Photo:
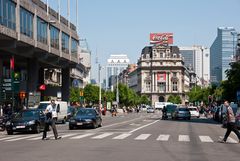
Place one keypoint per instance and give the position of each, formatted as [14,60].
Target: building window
[65,43]
[174,74]
[8,14]
[41,31]
[162,87]
[26,22]
[174,86]
[161,55]
[74,48]
[54,36]
[148,86]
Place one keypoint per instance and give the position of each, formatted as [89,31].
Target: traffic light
[81,93]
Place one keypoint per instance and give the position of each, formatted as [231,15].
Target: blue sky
[123,26]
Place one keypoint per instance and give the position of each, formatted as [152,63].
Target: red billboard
[161,38]
[161,77]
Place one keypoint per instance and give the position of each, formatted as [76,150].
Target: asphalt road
[129,137]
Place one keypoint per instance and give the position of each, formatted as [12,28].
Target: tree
[144,100]
[174,99]
[74,94]
[91,94]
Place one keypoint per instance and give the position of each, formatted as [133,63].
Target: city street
[126,137]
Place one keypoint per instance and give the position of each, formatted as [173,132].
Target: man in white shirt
[51,117]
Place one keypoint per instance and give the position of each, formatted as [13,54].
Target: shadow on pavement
[197,120]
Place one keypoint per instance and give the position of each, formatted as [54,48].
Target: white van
[62,108]
[160,105]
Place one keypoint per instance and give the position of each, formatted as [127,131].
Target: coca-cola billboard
[161,38]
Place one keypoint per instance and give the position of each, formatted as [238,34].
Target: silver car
[150,110]
[182,112]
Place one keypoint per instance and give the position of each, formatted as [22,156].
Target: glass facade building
[54,37]
[222,53]
[41,31]
[74,48]
[65,43]
[8,14]
[26,22]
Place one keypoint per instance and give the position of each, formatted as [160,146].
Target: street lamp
[100,92]
[117,91]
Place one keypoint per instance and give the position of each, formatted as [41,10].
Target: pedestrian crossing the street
[119,136]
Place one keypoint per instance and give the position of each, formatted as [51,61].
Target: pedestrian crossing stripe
[122,136]
[229,140]
[142,137]
[163,137]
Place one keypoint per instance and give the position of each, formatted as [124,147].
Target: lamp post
[117,91]
[100,93]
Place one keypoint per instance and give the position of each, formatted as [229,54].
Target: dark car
[182,112]
[31,120]
[71,111]
[85,117]
[170,108]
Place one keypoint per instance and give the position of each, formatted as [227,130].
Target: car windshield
[26,114]
[85,112]
[171,107]
[183,109]
[43,106]
[71,109]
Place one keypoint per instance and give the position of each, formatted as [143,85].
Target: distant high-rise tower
[115,64]
[197,58]
[222,53]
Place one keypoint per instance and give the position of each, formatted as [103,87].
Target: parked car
[62,108]
[182,112]
[150,110]
[194,111]
[31,120]
[170,108]
[85,117]
[238,120]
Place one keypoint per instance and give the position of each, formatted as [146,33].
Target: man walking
[51,117]
[230,123]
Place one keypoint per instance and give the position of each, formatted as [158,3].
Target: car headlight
[8,123]
[88,120]
[31,122]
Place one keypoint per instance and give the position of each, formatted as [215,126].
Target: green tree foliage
[74,94]
[144,100]
[91,94]
[174,99]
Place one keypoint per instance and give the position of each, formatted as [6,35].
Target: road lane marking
[229,140]
[122,136]
[143,126]
[205,139]
[102,136]
[163,137]
[142,137]
[183,138]
[11,137]
[82,136]
[40,137]
[68,135]
[21,138]
[106,126]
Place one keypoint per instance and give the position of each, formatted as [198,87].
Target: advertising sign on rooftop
[161,38]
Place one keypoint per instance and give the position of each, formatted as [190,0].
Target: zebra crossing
[119,136]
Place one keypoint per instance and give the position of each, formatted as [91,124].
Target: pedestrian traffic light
[22,95]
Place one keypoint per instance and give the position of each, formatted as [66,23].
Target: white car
[194,111]
[150,110]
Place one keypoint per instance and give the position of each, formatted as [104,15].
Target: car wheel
[94,125]
[64,120]
[38,130]
[71,127]
[10,132]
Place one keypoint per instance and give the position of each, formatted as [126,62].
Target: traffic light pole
[12,80]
